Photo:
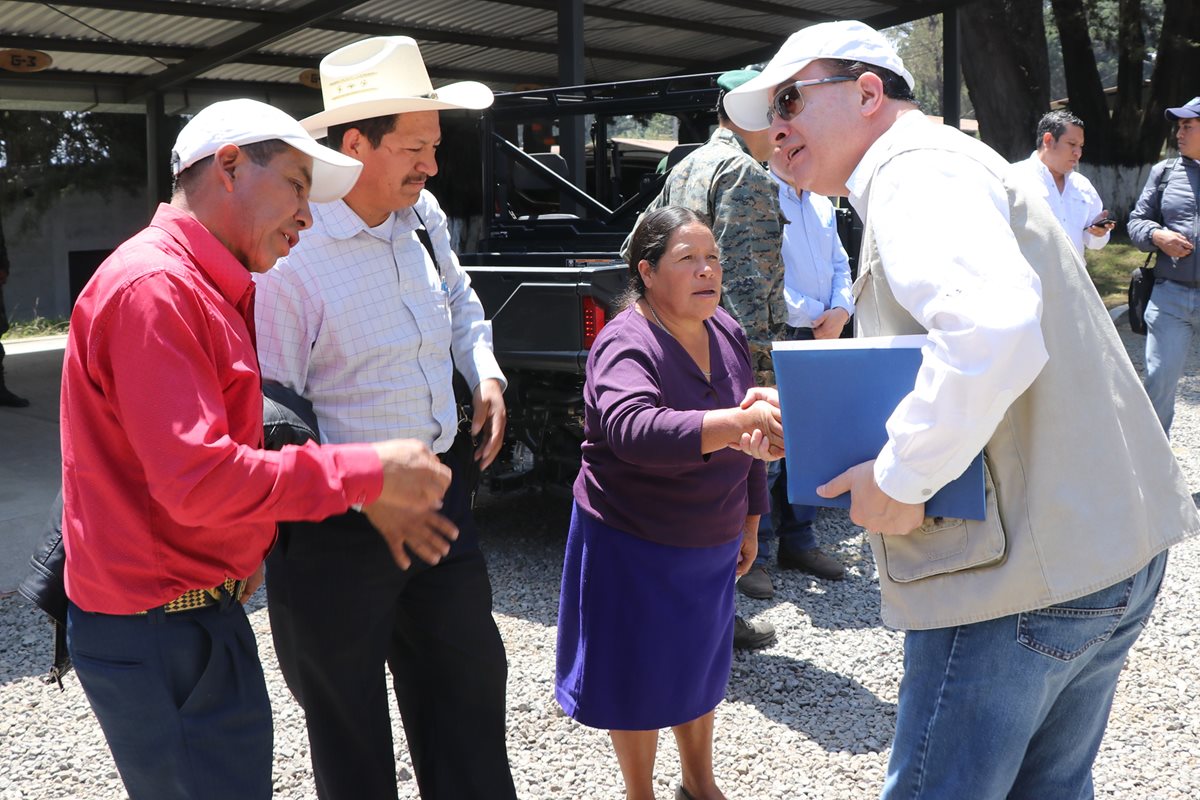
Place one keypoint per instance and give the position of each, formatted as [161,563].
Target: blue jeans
[1171,318]
[181,700]
[789,523]
[1015,707]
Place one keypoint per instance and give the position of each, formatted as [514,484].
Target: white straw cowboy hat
[384,75]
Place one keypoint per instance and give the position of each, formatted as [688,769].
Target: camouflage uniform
[722,181]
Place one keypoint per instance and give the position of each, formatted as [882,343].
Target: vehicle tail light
[593,320]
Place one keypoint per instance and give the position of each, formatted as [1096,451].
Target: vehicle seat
[679,152]
[534,196]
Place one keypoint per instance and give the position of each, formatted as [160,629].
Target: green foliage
[1104,28]
[645,126]
[38,326]
[919,43]
[44,155]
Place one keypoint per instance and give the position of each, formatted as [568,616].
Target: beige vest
[1082,486]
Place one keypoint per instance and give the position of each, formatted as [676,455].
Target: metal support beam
[364,27]
[951,69]
[158,154]
[716,27]
[776,9]
[260,36]
[570,73]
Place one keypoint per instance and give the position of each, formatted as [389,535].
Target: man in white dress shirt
[369,321]
[1052,170]
[1017,625]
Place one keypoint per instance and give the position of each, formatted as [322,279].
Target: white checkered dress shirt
[357,320]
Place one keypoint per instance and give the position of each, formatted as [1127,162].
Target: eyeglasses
[789,101]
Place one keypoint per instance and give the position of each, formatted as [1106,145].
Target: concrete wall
[39,284]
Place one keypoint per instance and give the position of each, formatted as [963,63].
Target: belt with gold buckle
[202,598]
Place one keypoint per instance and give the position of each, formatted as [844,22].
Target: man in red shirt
[170,502]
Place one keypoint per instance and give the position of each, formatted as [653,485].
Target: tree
[44,156]
[1099,41]
[1007,76]
[919,43]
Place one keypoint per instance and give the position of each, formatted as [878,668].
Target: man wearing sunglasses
[725,181]
[1017,625]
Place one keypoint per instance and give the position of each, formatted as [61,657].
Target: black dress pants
[340,609]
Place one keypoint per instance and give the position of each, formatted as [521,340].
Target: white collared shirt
[1075,207]
[941,226]
[358,321]
[816,269]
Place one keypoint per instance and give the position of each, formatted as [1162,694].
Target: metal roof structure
[180,55]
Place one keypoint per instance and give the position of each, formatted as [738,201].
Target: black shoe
[757,584]
[9,399]
[813,561]
[682,793]
[751,635]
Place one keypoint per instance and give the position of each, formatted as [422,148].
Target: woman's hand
[749,549]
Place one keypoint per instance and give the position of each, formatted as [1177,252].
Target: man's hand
[830,324]
[869,506]
[768,393]
[425,534]
[1174,244]
[252,584]
[413,478]
[488,418]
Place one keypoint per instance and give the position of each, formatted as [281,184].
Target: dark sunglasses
[789,101]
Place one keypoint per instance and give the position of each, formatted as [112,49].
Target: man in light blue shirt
[817,287]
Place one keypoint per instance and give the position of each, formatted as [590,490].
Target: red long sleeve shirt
[165,486]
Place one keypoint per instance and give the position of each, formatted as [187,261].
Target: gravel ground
[810,717]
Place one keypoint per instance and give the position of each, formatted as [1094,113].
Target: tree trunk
[1007,76]
[1083,79]
[1127,115]
[1175,69]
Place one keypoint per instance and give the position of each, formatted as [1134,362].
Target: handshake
[761,434]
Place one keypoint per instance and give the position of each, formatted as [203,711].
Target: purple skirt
[645,630]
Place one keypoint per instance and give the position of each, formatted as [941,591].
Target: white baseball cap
[248,121]
[849,40]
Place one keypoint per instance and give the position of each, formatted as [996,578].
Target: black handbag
[1141,285]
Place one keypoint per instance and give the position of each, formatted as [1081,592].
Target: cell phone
[1104,220]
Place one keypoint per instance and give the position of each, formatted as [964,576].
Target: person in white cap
[1167,219]
[1016,625]
[370,318]
[170,502]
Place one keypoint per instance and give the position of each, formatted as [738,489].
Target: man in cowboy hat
[170,500]
[369,319]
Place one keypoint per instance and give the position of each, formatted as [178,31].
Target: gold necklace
[658,319]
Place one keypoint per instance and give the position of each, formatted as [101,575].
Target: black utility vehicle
[542,253]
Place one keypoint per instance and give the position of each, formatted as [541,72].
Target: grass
[38,326]
[1110,268]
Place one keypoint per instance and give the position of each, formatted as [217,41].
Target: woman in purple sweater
[666,509]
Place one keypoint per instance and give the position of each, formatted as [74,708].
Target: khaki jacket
[1082,487]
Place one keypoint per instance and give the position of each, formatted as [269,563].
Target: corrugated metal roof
[128,45]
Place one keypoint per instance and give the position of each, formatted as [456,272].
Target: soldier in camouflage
[724,179]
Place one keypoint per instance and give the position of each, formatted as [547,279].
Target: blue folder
[836,396]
